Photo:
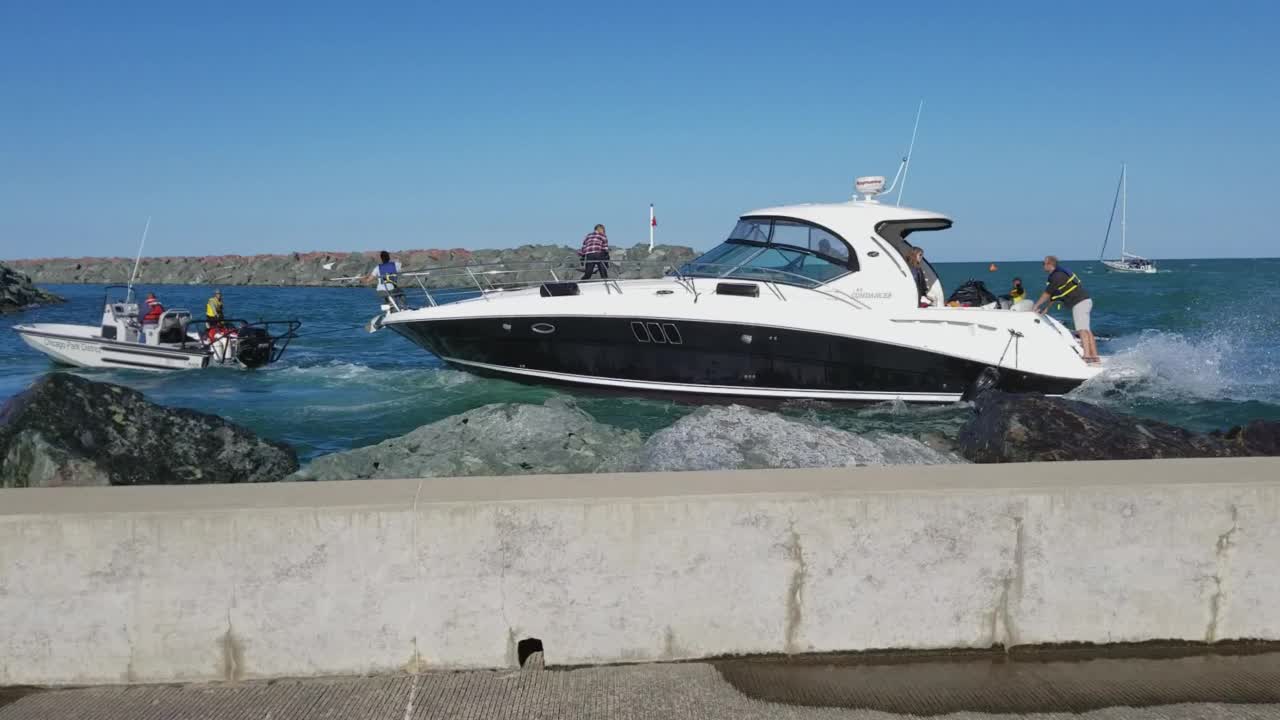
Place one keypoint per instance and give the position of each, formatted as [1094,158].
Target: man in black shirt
[1065,287]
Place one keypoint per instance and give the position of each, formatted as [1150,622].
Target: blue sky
[244,128]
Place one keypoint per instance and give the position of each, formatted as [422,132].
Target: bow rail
[454,283]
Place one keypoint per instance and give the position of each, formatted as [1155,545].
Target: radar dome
[869,186]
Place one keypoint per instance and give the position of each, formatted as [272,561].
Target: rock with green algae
[66,430]
[498,439]
[17,292]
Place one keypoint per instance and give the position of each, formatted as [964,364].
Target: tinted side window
[789,233]
[811,238]
[753,230]
[824,243]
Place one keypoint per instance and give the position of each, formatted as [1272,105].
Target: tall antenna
[906,162]
[901,174]
[138,260]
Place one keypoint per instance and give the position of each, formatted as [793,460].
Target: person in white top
[386,274]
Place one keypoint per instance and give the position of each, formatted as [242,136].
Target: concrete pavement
[1177,689]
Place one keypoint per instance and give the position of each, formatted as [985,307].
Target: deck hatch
[738,289]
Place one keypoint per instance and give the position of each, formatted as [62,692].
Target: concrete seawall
[105,585]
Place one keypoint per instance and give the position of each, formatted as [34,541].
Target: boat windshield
[780,251]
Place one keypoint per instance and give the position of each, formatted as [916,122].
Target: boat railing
[443,285]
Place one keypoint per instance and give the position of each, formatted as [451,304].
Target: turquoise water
[1197,345]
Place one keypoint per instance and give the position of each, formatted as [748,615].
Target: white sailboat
[1127,262]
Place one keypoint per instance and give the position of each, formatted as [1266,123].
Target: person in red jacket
[154,310]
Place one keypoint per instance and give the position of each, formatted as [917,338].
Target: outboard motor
[251,345]
[254,346]
[987,379]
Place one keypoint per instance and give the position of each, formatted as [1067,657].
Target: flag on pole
[653,223]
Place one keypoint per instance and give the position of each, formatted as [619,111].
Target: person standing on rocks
[595,254]
[1065,288]
[386,274]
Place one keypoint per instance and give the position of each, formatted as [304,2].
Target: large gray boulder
[1034,428]
[739,437]
[558,437]
[66,430]
[17,292]
[499,439]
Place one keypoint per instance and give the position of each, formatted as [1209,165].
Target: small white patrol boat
[174,342]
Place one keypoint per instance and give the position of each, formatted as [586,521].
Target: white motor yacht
[174,342]
[800,301]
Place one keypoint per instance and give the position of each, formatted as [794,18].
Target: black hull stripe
[663,319]
[724,391]
[151,366]
[393,323]
[722,358]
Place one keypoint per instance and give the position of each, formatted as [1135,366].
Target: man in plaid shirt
[595,253]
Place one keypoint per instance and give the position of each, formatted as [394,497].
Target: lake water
[1197,345]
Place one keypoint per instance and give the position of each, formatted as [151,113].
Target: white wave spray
[1236,362]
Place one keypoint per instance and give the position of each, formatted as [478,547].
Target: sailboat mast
[1111,219]
[1124,209]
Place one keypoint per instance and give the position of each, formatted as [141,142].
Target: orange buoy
[993,268]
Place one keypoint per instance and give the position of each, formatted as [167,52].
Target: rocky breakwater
[17,292]
[559,437]
[65,430]
[1034,428]
[318,268]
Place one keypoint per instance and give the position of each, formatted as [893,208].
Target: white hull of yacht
[798,344]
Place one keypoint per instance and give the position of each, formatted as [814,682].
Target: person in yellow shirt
[213,310]
[1017,292]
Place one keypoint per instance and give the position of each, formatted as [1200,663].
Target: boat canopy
[814,244]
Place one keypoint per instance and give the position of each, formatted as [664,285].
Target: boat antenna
[137,261]
[1111,220]
[906,161]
